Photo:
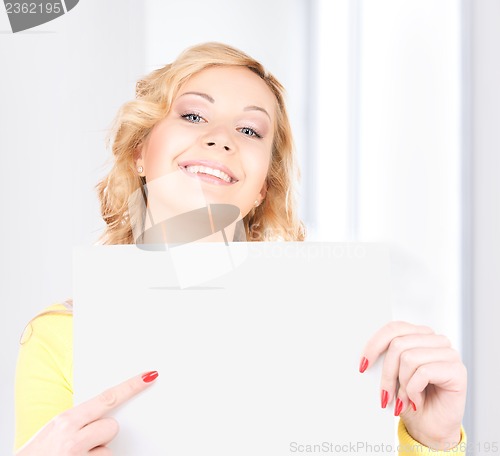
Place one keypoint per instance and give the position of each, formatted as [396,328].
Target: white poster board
[259,360]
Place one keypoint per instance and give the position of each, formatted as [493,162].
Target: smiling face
[218,131]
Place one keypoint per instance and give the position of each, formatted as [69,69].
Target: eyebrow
[257,108]
[211,100]
[200,94]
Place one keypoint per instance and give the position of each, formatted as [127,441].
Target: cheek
[157,159]
[160,153]
[257,167]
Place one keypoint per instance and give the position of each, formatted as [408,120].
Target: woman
[214,120]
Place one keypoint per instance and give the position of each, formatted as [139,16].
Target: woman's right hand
[85,429]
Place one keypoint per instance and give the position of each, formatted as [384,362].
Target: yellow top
[44,374]
[44,380]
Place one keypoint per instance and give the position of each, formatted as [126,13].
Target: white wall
[410,151]
[484,156]
[388,136]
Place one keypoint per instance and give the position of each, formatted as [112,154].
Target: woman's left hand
[425,379]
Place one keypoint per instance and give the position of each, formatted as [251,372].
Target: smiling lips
[209,171]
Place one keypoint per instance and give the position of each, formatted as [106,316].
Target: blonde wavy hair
[275,219]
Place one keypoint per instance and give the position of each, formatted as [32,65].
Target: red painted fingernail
[363,365]
[149,377]
[399,407]
[384,398]
[414,407]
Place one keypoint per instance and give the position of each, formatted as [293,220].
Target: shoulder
[48,338]
[53,322]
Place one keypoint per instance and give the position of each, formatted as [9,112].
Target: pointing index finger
[381,340]
[97,407]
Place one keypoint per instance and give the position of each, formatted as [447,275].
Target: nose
[218,139]
[214,144]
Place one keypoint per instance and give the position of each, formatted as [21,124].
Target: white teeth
[206,170]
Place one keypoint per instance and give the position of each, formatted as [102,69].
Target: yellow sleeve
[44,372]
[408,446]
